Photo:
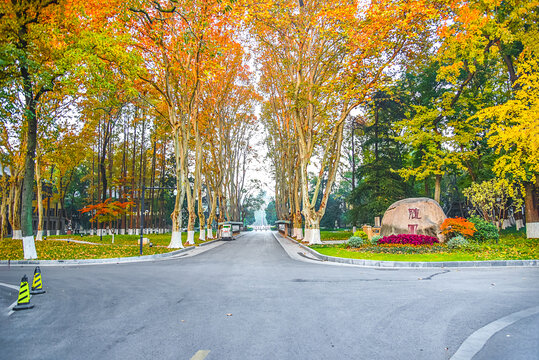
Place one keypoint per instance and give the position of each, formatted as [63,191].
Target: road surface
[247,299]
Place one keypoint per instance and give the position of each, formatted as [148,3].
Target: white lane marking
[14,287]
[200,355]
[475,342]
[10,307]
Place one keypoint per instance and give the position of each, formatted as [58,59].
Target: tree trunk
[191,192]
[142,177]
[39,235]
[29,246]
[161,220]
[298,232]
[176,216]
[213,209]
[124,178]
[152,185]
[4,191]
[133,162]
[312,231]
[531,203]
[438,188]
[15,207]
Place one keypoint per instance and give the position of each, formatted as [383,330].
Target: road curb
[412,264]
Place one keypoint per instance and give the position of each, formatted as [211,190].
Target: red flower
[411,239]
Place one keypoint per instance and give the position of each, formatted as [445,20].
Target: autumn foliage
[458,226]
[108,210]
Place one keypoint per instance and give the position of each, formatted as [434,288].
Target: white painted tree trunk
[298,233]
[315,237]
[49,233]
[532,230]
[39,235]
[17,234]
[113,238]
[191,237]
[29,247]
[122,231]
[210,233]
[91,232]
[176,240]
[202,234]
[57,232]
[307,235]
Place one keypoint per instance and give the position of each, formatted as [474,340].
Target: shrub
[361,234]
[374,239]
[457,242]
[457,226]
[356,241]
[412,239]
[484,230]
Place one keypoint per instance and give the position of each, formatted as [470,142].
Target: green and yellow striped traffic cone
[37,286]
[23,302]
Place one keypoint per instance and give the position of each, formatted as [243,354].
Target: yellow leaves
[490,197]
[515,135]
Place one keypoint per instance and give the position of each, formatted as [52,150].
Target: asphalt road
[247,299]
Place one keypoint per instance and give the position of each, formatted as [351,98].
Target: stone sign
[413,216]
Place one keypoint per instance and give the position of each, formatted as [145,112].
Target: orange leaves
[458,226]
[107,211]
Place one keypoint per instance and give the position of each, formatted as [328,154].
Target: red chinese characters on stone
[413,213]
[412,228]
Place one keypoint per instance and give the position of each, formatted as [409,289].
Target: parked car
[226,232]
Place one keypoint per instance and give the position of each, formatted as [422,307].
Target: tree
[181,43]
[480,33]
[107,211]
[379,184]
[515,137]
[41,47]
[329,57]
[271,214]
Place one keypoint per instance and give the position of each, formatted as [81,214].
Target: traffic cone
[37,287]
[23,302]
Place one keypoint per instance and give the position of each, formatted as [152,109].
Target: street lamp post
[142,209]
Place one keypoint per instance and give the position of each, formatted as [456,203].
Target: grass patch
[334,235]
[156,239]
[511,246]
[62,250]
[124,246]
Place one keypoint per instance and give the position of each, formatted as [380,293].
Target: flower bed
[410,239]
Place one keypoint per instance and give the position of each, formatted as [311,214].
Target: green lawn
[335,235]
[511,246]
[62,250]
[156,239]
[124,246]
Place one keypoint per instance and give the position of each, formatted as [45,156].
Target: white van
[226,232]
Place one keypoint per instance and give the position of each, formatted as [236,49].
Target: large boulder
[413,216]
